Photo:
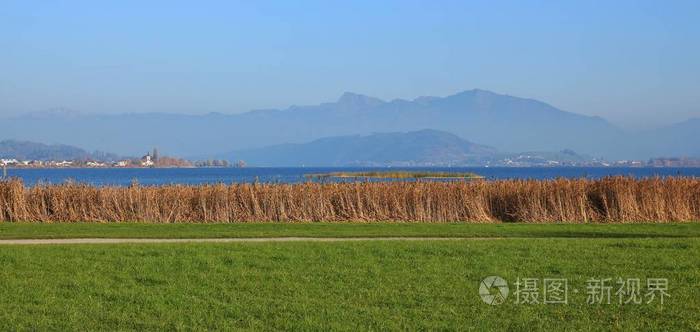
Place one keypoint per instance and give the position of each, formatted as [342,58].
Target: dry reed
[612,199]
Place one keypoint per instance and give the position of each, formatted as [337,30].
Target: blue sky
[633,62]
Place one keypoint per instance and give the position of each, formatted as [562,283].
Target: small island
[398,175]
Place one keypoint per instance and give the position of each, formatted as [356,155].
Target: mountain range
[418,148]
[24,150]
[504,122]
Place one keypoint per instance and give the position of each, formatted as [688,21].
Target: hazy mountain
[23,150]
[677,140]
[505,122]
[418,148]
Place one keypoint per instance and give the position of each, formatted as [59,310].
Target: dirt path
[223,240]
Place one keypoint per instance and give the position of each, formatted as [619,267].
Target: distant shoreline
[87,167]
[359,167]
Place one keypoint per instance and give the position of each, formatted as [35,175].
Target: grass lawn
[371,285]
[146,230]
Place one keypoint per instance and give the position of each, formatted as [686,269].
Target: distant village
[153,160]
[149,160]
[655,162]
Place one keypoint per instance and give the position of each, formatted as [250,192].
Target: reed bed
[612,199]
[397,175]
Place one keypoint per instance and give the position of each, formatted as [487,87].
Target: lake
[158,176]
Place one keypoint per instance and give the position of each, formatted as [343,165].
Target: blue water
[154,176]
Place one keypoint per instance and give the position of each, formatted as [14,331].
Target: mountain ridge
[422,148]
[26,150]
[505,122]
[418,148]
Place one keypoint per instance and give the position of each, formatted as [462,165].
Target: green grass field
[370,285]
[243,230]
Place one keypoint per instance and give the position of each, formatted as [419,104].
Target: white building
[6,162]
[146,161]
[95,164]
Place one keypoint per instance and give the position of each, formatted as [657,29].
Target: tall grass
[613,199]
[397,175]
